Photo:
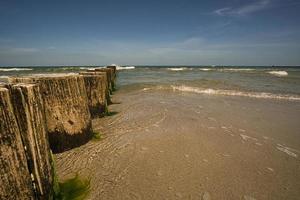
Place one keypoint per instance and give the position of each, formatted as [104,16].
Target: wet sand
[172,145]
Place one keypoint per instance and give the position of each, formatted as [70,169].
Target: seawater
[281,83]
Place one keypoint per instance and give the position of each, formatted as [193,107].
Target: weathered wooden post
[67,114]
[29,112]
[97,92]
[110,77]
[15,179]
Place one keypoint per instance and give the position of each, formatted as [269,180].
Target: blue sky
[139,32]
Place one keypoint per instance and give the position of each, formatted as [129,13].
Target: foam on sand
[287,150]
[14,69]
[246,137]
[260,95]
[278,73]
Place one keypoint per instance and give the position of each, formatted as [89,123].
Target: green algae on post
[112,113]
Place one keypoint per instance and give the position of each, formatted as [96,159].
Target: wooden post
[67,114]
[97,92]
[29,112]
[15,179]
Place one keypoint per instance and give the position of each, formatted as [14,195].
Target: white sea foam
[126,67]
[246,137]
[237,69]
[14,69]
[205,69]
[260,95]
[287,151]
[52,75]
[228,69]
[177,68]
[145,89]
[278,73]
[90,68]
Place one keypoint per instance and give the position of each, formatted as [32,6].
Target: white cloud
[222,11]
[244,10]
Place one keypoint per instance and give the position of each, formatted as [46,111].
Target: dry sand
[167,145]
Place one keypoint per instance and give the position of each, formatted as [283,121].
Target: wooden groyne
[42,113]
[97,91]
[111,76]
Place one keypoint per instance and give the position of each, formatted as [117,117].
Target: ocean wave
[126,67]
[51,75]
[68,68]
[90,68]
[260,95]
[177,68]
[228,69]
[14,69]
[278,73]
[206,69]
[237,69]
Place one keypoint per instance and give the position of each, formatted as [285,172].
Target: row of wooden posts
[40,113]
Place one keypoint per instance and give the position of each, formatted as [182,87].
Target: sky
[149,32]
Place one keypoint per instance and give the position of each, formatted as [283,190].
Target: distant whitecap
[14,69]
[177,68]
[125,67]
[278,73]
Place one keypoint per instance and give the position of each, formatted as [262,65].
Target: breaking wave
[260,95]
[90,68]
[14,69]
[278,73]
[237,69]
[177,68]
[227,69]
[206,69]
[126,67]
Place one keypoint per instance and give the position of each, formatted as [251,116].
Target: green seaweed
[73,189]
[97,136]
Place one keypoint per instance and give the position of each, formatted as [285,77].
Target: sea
[281,83]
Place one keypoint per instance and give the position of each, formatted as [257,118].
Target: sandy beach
[175,145]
